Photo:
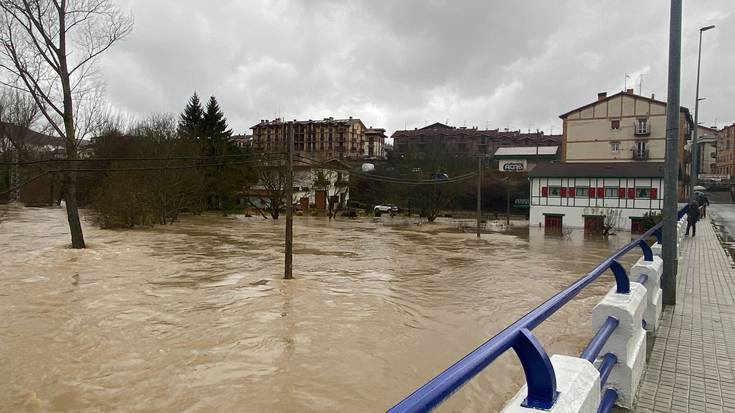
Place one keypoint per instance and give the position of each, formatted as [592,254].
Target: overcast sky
[395,63]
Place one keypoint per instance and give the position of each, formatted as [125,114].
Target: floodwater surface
[195,317]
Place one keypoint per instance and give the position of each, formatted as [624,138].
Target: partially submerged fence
[608,371]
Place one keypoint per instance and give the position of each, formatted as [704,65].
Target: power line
[126,159]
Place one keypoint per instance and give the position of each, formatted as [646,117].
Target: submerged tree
[48,49]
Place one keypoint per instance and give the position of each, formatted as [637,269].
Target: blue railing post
[647,252]
[659,236]
[539,371]
[621,277]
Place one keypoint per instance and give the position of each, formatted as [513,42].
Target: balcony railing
[539,372]
[640,155]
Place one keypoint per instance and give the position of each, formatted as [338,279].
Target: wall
[588,132]
[581,204]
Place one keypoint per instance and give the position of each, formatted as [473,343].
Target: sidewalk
[692,363]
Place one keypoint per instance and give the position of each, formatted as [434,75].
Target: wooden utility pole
[288,272]
[507,202]
[479,194]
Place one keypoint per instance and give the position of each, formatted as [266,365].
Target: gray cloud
[394,63]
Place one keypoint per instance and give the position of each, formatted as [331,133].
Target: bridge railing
[538,369]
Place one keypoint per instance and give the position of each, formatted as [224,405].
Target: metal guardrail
[540,376]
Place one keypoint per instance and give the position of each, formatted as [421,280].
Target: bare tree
[48,48]
[272,182]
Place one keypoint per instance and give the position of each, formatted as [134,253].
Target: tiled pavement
[692,363]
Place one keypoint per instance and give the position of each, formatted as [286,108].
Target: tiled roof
[598,169]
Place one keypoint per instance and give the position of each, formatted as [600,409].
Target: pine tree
[191,121]
[214,123]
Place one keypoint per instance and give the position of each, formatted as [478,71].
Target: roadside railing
[640,311]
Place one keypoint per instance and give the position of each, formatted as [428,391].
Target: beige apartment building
[706,150]
[612,165]
[624,127]
[314,139]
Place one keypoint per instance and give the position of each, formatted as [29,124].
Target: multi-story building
[613,153]
[375,143]
[464,141]
[624,127]
[726,151]
[706,150]
[313,139]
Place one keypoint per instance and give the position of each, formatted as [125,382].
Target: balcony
[640,155]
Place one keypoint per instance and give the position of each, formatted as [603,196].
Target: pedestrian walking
[692,218]
[703,203]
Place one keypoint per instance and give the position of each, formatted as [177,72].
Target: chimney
[629,91]
[653,96]
[601,96]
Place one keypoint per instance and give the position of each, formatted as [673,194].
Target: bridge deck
[692,362]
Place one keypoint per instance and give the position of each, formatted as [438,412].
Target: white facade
[558,199]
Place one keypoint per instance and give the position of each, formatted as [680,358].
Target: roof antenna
[640,86]
[625,87]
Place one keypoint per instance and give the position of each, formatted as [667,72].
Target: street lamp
[694,167]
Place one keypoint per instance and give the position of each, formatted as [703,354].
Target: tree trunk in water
[72,211]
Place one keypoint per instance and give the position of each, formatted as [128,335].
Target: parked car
[386,208]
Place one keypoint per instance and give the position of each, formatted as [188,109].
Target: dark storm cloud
[394,63]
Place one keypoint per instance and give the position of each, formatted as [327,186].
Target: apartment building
[375,143]
[462,141]
[706,150]
[612,163]
[314,139]
[725,164]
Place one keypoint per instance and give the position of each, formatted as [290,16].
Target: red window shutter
[563,192]
[544,191]
[572,192]
[621,193]
[600,192]
[591,192]
[654,193]
[631,193]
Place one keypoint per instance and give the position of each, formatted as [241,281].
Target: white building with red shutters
[590,195]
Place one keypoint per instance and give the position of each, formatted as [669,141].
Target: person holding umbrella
[692,218]
[702,200]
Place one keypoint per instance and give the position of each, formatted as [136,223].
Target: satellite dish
[368,167]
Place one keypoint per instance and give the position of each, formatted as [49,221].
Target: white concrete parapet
[653,307]
[627,342]
[578,384]
[657,249]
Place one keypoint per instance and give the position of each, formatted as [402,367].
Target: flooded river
[196,318]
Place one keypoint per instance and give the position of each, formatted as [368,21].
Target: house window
[641,147]
[615,124]
[611,192]
[641,126]
[615,146]
[644,193]
[581,192]
[555,191]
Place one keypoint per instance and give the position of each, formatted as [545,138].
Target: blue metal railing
[540,377]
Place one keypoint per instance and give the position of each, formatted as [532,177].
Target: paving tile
[691,366]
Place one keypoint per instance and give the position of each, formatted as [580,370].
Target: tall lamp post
[694,169]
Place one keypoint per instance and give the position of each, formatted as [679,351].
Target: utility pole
[479,193]
[694,165]
[507,202]
[288,273]
[670,250]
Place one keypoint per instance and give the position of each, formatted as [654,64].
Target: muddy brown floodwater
[195,317]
